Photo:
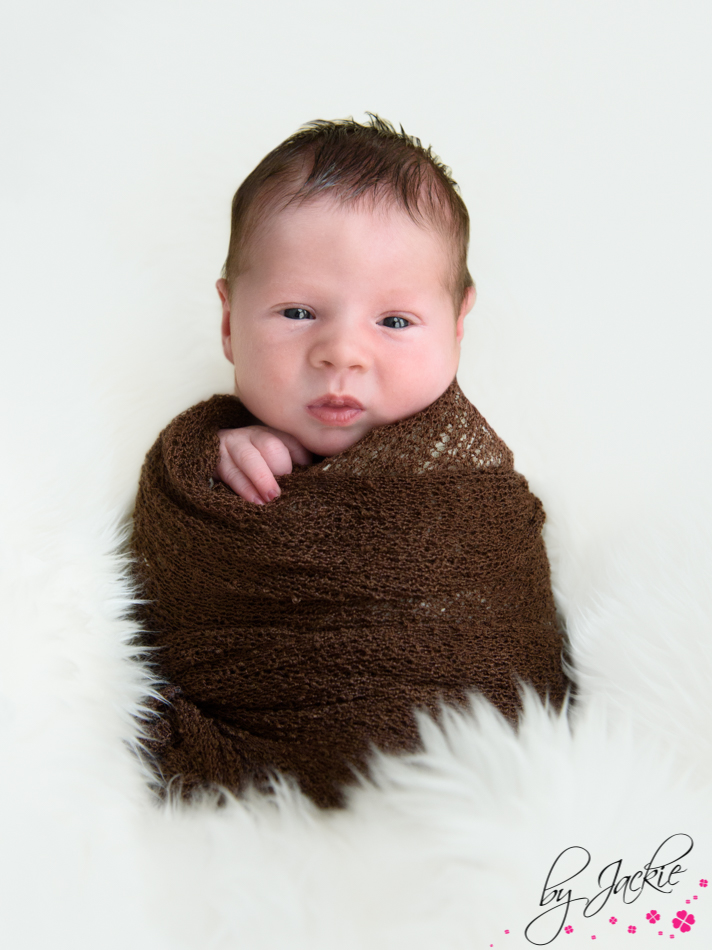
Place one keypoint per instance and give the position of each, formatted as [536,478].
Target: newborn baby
[340,317]
[344,540]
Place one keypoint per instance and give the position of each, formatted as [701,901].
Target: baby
[346,309]
[345,540]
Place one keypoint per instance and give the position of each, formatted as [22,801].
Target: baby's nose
[341,347]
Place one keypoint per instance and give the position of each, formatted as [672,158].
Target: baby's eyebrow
[289,296]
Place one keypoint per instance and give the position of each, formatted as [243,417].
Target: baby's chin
[332,441]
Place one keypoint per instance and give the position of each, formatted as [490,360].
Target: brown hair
[354,162]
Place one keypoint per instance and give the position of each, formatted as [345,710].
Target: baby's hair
[352,162]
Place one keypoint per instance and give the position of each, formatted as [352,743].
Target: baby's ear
[467,305]
[224,295]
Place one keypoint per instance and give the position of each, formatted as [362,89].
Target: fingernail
[258,501]
[272,494]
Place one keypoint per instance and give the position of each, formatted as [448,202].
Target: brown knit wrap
[407,570]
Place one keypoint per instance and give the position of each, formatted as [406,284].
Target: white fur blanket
[450,848]
[585,163]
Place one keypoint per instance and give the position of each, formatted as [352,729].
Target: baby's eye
[400,323]
[296,313]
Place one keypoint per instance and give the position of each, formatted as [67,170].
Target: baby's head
[346,282]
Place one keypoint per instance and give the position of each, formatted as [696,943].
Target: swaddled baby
[345,540]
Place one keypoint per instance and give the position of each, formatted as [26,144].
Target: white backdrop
[580,135]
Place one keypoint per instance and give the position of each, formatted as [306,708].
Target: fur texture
[446,848]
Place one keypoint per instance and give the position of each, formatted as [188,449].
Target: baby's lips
[334,401]
[334,415]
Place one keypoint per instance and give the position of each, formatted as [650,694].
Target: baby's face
[341,304]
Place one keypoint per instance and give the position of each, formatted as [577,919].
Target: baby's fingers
[245,471]
[281,451]
[298,453]
[230,475]
[278,450]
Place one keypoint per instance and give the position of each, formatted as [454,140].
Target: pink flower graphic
[653,916]
[612,920]
[568,929]
[631,929]
[683,920]
[704,882]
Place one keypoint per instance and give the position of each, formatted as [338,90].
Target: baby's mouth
[335,410]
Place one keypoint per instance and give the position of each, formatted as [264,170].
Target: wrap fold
[407,571]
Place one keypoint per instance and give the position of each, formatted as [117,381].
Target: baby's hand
[251,457]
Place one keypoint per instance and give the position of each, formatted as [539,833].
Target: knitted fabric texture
[402,573]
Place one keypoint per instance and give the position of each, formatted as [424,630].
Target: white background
[580,135]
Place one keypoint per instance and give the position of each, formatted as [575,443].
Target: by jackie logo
[659,874]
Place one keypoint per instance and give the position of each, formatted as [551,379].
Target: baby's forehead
[371,251]
[289,222]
